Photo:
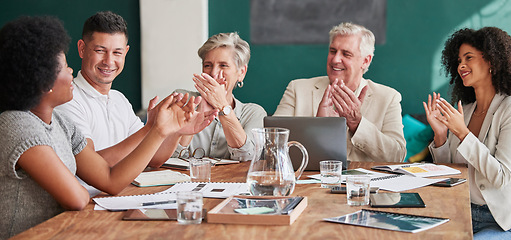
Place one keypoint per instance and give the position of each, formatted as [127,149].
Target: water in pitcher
[268,183]
[271,171]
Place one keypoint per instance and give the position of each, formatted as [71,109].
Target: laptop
[323,137]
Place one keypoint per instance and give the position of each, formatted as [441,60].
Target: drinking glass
[189,207]
[200,170]
[357,189]
[331,172]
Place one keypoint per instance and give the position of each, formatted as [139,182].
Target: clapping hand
[152,111]
[432,112]
[197,119]
[177,114]
[326,106]
[340,101]
[442,116]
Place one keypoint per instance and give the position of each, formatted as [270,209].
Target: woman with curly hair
[478,133]
[42,150]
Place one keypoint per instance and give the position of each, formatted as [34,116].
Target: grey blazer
[488,157]
[379,136]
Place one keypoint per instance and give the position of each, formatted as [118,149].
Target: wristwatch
[225,110]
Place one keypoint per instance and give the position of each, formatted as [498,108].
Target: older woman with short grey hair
[225,58]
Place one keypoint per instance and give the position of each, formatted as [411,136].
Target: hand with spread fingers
[432,112]
[212,89]
[452,118]
[348,105]
[152,111]
[326,106]
[196,120]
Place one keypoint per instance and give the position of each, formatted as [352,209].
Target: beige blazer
[488,157]
[379,136]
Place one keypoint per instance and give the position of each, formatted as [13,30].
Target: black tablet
[396,200]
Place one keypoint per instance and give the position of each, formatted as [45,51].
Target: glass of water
[189,207]
[357,189]
[200,170]
[331,172]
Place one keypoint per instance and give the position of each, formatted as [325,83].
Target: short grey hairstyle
[231,40]
[366,37]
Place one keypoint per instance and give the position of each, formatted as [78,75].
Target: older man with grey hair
[372,110]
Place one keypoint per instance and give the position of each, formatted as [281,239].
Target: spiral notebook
[160,200]
[212,189]
[398,183]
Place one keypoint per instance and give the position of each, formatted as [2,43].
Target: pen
[158,203]
[287,209]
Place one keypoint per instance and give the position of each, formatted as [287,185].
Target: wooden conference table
[452,203]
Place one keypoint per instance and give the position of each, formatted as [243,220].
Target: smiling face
[103,58]
[473,69]
[345,61]
[62,90]
[222,59]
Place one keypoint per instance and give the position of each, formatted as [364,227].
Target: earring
[490,70]
[240,84]
[51,90]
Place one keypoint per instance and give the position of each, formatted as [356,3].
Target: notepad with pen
[161,200]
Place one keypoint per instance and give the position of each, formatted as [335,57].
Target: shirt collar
[238,106]
[86,87]
[362,84]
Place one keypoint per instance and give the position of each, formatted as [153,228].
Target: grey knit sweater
[24,203]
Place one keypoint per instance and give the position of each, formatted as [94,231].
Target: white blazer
[379,136]
[488,157]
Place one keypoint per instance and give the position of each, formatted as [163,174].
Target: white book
[353,172]
[184,164]
[160,178]
[419,169]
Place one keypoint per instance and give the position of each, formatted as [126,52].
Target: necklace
[481,113]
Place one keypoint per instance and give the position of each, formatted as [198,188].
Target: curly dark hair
[104,22]
[29,50]
[495,45]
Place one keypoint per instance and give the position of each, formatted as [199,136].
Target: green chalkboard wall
[408,61]
[73,14]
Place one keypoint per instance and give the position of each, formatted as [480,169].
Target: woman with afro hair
[478,132]
[42,150]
